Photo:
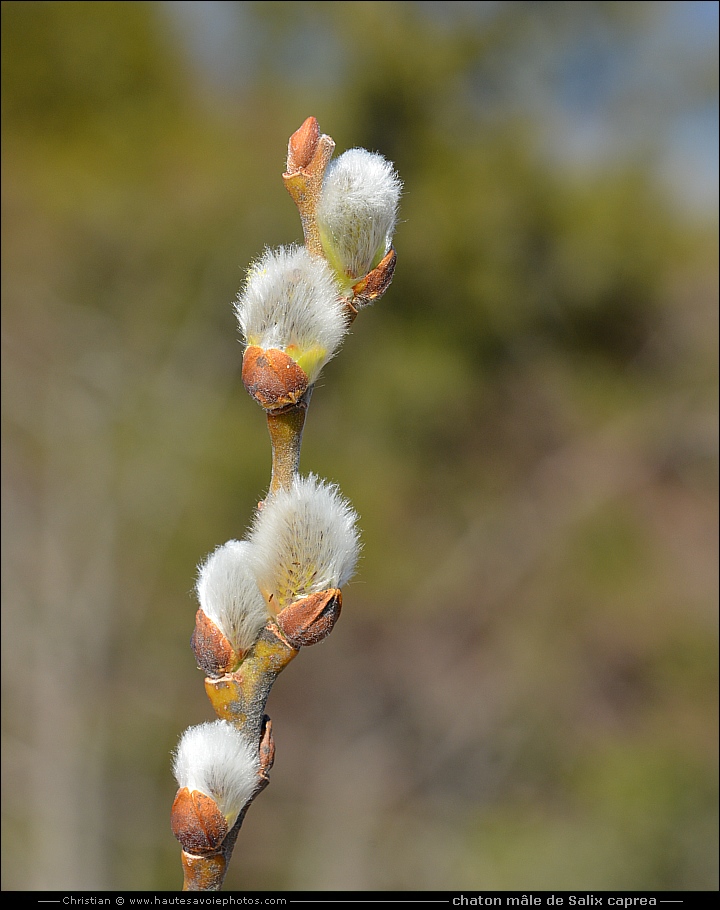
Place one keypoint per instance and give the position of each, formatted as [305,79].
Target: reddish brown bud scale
[197,822]
[302,145]
[273,378]
[375,283]
[310,619]
[266,750]
[213,652]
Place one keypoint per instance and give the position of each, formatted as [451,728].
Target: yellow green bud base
[240,697]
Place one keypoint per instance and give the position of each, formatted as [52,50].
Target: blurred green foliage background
[521,693]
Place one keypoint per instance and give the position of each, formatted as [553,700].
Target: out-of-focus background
[521,692]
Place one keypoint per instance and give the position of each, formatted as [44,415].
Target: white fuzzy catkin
[229,595]
[357,211]
[215,759]
[290,302]
[305,540]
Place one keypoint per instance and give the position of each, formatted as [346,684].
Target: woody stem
[286,429]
